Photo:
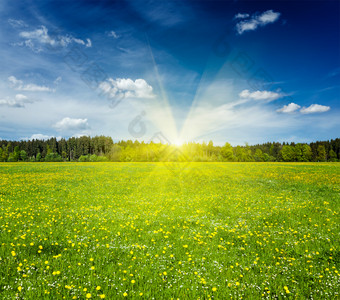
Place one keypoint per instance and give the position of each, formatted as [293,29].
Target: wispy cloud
[127,88]
[17,23]
[58,80]
[260,95]
[113,34]
[315,108]
[165,13]
[68,124]
[18,101]
[36,38]
[290,108]
[334,73]
[255,20]
[241,16]
[31,87]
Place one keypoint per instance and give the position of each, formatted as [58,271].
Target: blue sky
[236,71]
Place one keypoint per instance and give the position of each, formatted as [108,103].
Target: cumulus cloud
[314,108]
[68,124]
[18,85]
[18,101]
[255,20]
[291,107]
[260,95]
[126,88]
[40,36]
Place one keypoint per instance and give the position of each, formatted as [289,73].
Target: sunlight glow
[178,142]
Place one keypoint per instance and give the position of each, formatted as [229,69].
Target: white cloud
[88,43]
[127,88]
[260,95]
[113,34]
[19,101]
[18,85]
[67,124]
[17,23]
[267,17]
[241,16]
[291,107]
[255,21]
[78,135]
[10,103]
[20,97]
[314,108]
[14,81]
[41,36]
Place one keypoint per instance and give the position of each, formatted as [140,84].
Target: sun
[178,142]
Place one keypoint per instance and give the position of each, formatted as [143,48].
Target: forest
[102,148]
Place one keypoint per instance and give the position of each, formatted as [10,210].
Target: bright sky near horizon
[236,71]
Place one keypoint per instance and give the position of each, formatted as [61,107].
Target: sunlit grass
[169,230]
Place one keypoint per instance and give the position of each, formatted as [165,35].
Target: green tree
[115,152]
[287,153]
[299,152]
[4,156]
[64,155]
[38,157]
[16,153]
[11,157]
[332,155]
[23,155]
[227,152]
[48,150]
[306,153]
[321,153]
[258,156]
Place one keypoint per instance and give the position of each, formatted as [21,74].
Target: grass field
[162,231]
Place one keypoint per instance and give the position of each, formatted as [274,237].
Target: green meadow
[169,230]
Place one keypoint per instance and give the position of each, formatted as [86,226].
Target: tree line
[102,148]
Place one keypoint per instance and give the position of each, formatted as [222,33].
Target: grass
[162,231]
